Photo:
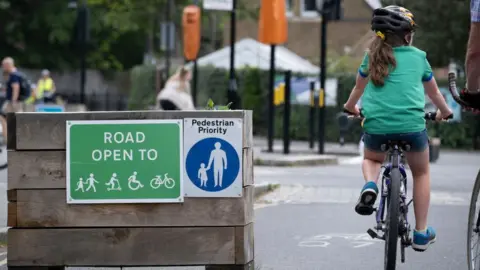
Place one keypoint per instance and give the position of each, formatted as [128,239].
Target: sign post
[272,30]
[213,157]
[124,161]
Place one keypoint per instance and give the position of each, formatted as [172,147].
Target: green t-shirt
[398,106]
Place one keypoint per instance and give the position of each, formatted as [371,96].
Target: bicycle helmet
[393,19]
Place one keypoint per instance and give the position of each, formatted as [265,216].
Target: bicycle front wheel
[473,236]
[391,233]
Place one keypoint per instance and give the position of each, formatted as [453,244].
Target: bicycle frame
[394,156]
[386,184]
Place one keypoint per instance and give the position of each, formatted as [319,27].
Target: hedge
[253,85]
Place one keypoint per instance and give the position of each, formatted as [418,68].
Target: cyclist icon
[133,183]
[158,182]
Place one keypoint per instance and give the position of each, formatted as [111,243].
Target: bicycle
[473,215]
[393,198]
[157,182]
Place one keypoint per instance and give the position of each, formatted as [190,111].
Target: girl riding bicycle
[393,79]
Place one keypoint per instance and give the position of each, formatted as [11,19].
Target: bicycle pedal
[372,233]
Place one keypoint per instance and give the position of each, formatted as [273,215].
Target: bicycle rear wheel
[391,232]
[473,237]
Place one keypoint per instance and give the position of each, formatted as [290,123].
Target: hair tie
[380,35]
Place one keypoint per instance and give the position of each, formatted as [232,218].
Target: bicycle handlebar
[452,87]
[428,116]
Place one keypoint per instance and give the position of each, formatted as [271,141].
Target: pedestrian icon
[91,183]
[202,175]
[80,185]
[219,159]
[133,183]
[114,183]
[222,164]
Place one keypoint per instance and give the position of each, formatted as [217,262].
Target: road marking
[355,240]
[350,161]
[362,244]
[298,194]
[3,262]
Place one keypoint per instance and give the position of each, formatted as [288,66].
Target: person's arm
[356,93]
[431,88]
[224,156]
[54,88]
[472,59]
[210,161]
[15,88]
[360,84]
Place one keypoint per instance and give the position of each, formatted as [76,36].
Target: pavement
[300,153]
[308,223]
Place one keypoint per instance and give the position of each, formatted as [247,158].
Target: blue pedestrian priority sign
[213,158]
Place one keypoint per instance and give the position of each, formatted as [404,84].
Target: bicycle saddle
[392,144]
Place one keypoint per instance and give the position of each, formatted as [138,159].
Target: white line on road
[320,194]
[3,262]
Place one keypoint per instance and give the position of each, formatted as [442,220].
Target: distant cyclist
[471,94]
[392,81]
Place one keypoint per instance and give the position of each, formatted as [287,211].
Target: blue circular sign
[212,164]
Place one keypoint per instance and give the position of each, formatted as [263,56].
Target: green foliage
[254,95]
[443,28]
[211,106]
[142,92]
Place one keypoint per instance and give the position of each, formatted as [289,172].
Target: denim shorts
[418,141]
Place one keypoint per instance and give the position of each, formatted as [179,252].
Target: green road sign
[124,161]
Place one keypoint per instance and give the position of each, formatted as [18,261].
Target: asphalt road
[309,222]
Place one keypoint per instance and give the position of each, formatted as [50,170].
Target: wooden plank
[12,195]
[46,131]
[248,266]
[11,131]
[35,268]
[48,208]
[121,246]
[248,129]
[247,160]
[47,169]
[12,214]
[36,169]
[244,244]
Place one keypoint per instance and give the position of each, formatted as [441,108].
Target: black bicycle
[473,230]
[392,211]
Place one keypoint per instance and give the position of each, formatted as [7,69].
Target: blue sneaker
[421,240]
[367,199]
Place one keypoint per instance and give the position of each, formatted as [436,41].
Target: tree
[443,28]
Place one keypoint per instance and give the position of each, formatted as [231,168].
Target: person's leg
[418,160]
[220,177]
[372,163]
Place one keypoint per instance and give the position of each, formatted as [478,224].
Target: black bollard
[286,114]
[311,116]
